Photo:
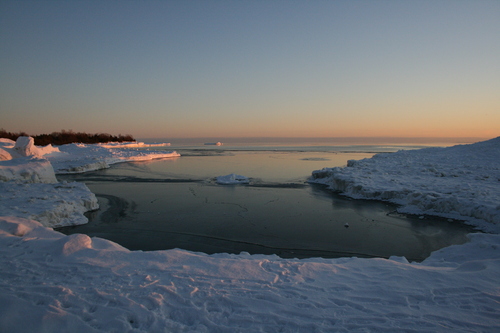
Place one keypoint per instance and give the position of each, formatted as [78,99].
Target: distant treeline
[65,137]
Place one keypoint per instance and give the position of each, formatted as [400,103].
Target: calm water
[175,203]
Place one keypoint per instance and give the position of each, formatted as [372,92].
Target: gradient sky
[251,68]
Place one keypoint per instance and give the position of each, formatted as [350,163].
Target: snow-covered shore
[133,144]
[50,282]
[459,182]
[28,184]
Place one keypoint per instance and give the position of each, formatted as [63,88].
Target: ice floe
[232,179]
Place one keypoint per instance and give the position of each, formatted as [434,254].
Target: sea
[177,203]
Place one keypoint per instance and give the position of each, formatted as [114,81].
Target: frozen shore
[460,182]
[52,282]
[28,184]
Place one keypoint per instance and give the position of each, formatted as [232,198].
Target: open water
[175,203]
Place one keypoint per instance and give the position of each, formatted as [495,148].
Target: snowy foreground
[50,282]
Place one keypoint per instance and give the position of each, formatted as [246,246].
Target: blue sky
[251,68]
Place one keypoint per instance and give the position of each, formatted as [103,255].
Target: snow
[76,158]
[50,282]
[232,179]
[53,205]
[28,170]
[133,144]
[29,187]
[460,182]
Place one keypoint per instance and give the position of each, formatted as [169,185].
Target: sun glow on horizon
[251,69]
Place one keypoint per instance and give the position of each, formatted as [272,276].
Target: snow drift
[460,182]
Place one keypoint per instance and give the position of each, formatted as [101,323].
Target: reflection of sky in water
[305,221]
[152,214]
[264,166]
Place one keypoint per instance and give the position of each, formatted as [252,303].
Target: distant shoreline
[317,141]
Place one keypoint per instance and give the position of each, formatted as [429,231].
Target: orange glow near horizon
[187,70]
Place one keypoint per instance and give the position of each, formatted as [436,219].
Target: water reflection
[174,203]
[290,222]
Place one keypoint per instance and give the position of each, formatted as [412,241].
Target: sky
[181,69]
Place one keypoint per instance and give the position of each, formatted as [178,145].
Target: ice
[76,158]
[29,187]
[25,146]
[28,170]
[53,205]
[133,144]
[460,182]
[232,179]
[50,282]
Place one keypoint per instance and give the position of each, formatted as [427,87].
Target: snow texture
[50,282]
[77,158]
[232,179]
[459,182]
[56,283]
[27,170]
[53,205]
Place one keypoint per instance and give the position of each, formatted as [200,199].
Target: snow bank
[77,158]
[56,283]
[232,179]
[7,143]
[25,146]
[53,205]
[28,184]
[27,170]
[460,182]
[23,161]
[133,144]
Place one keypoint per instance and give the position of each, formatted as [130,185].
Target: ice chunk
[232,179]
[25,146]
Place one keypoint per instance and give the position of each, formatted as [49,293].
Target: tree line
[65,137]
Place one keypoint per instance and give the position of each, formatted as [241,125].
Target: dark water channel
[144,208]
